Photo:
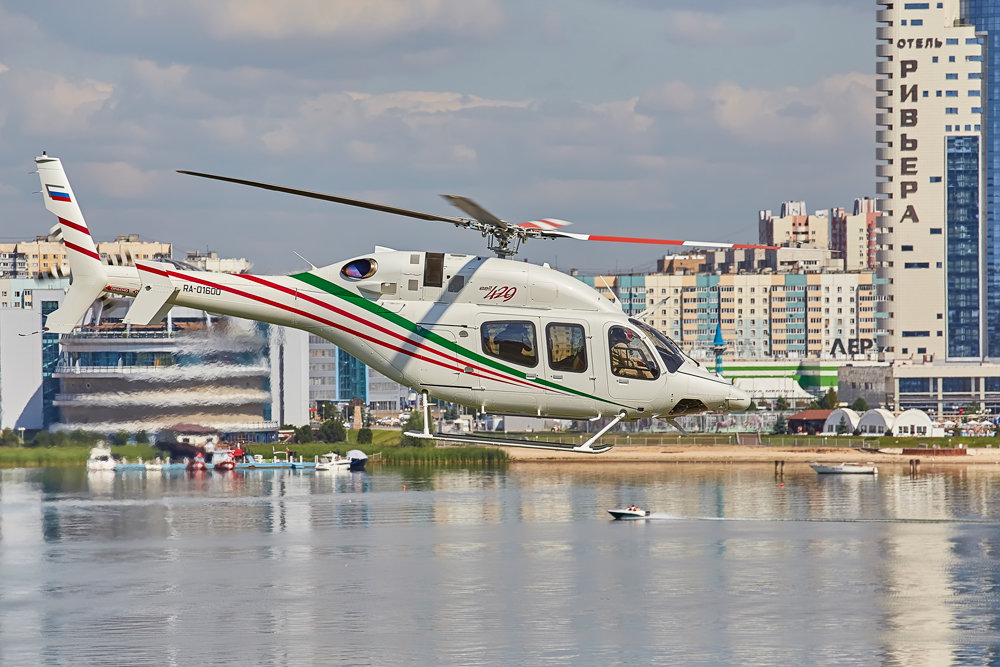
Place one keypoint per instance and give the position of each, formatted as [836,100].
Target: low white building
[850,418]
[878,421]
[916,423]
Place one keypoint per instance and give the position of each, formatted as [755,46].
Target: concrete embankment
[763,454]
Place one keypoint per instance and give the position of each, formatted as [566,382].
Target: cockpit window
[630,358]
[359,268]
[671,354]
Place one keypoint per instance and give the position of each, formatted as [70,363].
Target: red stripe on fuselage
[305,297]
[329,323]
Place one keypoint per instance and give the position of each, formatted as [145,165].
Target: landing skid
[586,448]
[468,439]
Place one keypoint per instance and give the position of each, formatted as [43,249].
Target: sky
[669,119]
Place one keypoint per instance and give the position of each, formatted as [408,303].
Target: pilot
[627,361]
[622,362]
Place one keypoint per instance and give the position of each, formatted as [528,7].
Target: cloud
[706,30]
[346,19]
[818,115]
[53,104]
[121,180]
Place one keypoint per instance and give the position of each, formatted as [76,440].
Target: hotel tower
[938,155]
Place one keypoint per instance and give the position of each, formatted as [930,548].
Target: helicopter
[490,333]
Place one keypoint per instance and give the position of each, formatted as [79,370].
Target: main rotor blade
[475,210]
[462,222]
[633,239]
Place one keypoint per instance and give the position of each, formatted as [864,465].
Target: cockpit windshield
[671,354]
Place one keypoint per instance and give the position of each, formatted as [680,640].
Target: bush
[415,422]
[332,430]
[365,436]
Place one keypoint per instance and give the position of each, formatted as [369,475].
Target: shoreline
[751,454]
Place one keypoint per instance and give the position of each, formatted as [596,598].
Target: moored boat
[196,464]
[357,458]
[631,512]
[100,458]
[845,468]
[333,461]
[224,463]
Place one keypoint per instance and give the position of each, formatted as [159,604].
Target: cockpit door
[634,375]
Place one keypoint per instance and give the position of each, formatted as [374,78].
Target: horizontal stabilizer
[82,294]
[155,295]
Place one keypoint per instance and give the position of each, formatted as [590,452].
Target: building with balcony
[192,368]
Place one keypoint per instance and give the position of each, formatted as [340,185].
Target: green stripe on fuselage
[373,308]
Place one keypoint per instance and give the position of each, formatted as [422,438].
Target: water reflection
[521,565]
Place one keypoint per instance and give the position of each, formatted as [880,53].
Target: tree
[332,430]
[829,401]
[752,407]
[365,436]
[781,404]
[859,405]
[9,438]
[415,422]
[842,426]
[303,434]
[120,437]
[141,437]
[780,426]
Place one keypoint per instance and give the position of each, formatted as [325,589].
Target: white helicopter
[489,333]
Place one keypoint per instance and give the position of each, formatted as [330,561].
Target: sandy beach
[760,454]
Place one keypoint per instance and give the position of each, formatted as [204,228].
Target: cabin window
[512,341]
[630,358]
[359,268]
[456,284]
[433,269]
[567,346]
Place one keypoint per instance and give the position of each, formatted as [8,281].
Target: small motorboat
[357,460]
[225,463]
[196,464]
[630,512]
[332,461]
[845,468]
[100,458]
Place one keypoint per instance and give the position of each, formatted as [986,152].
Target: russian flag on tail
[58,193]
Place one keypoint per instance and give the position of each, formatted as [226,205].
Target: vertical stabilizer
[88,273]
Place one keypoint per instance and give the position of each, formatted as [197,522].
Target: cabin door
[568,365]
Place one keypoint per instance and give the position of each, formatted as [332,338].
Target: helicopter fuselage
[443,323]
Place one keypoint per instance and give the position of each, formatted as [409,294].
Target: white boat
[358,459]
[332,461]
[845,468]
[629,513]
[100,459]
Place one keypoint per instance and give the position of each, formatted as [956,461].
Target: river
[404,566]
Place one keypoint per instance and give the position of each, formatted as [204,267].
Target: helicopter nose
[737,400]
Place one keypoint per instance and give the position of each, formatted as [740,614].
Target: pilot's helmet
[621,335]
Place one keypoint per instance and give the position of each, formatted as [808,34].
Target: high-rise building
[934,296]
[985,17]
